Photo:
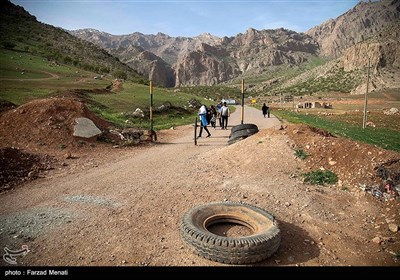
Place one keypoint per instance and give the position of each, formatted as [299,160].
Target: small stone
[377,240]
[287,204]
[68,156]
[277,261]
[123,261]
[332,162]
[393,227]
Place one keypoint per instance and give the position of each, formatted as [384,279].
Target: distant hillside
[368,32]
[204,59]
[21,31]
[151,55]
[271,59]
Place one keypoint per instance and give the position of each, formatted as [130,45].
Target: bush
[119,74]
[319,177]
[301,154]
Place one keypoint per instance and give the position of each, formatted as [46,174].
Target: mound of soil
[354,162]
[19,166]
[46,125]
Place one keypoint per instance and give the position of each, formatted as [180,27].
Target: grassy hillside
[317,75]
[24,76]
[170,108]
[21,31]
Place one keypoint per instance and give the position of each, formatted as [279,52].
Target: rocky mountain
[367,34]
[364,21]
[151,55]
[205,59]
[209,60]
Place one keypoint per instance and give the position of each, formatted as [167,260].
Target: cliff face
[204,68]
[251,52]
[384,59]
[364,21]
[381,55]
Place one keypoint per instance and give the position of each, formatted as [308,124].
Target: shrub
[301,154]
[120,74]
[320,177]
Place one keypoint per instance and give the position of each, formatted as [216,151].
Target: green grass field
[117,107]
[386,134]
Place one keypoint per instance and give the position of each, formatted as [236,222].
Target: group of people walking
[210,116]
[220,112]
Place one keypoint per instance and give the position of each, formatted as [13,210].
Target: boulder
[85,128]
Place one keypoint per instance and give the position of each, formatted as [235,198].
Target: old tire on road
[243,133]
[263,241]
[244,126]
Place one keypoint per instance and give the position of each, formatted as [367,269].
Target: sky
[187,18]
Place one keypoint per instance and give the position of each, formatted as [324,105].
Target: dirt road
[125,210]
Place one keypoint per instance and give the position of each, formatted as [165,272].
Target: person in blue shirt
[203,120]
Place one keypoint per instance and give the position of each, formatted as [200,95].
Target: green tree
[120,74]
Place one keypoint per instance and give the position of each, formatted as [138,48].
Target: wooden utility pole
[366,96]
[242,116]
[151,105]
[195,131]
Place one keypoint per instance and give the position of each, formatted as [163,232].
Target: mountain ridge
[208,60]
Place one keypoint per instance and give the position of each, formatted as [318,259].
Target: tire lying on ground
[243,133]
[238,135]
[243,126]
[259,245]
[232,141]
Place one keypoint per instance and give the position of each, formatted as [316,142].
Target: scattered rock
[68,156]
[377,240]
[393,227]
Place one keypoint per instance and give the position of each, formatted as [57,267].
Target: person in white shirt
[224,116]
[203,120]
